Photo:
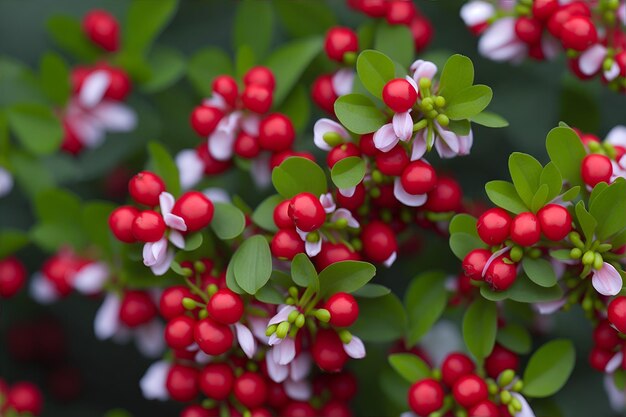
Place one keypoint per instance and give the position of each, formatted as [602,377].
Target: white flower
[343,81]
[42,290]
[324,126]
[423,69]
[190,168]
[477,12]
[500,42]
[90,279]
[607,281]
[221,142]
[6,182]
[152,383]
[355,348]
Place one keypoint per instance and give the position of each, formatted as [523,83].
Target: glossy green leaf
[463,243]
[193,241]
[11,241]
[551,176]
[55,78]
[504,195]
[305,17]
[479,328]
[549,368]
[252,264]
[489,119]
[228,221]
[167,66]
[515,338]
[409,366]
[468,102]
[298,175]
[463,223]
[345,276]
[396,42]
[68,33]
[263,215]
[539,271]
[303,272]
[375,69]
[540,198]
[163,165]
[371,291]
[349,172]
[380,319]
[145,19]
[36,127]
[204,66]
[425,301]
[460,127]
[586,221]
[457,75]
[525,173]
[571,194]
[254,23]
[608,209]
[567,152]
[270,295]
[359,114]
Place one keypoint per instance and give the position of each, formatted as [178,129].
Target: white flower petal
[300,367]
[106,322]
[217,195]
[190,168]
[477,12]
[613,72]
[526,410]
[347,192]
[177,239]
[355,349]
[246,340]
[327,201]
[6,182]
[500,42]
[442,339]
[419,145]
[403,125]
[162,266]
[282,314]
[261,170]
[385,138]
[411,200]
[549,307]
[153,382]
[607,281]
[166,202]
[298,390]
[617,136]
[617,398]
[175,222]
[115,117]
[221,144]
[323,126]
[343,81]
[389,261]
[614,364]
[42,290]
[277,373]
[285,351]
[465,143]
[258,325]
[343,213]
[250,124]
[93,88]
[91,278]
[149,339]
[423,69]
[590,61]
[216,100]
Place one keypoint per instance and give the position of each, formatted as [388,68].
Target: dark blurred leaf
[254,24]
[68,34]
[205,65]
[11,241]
[579,106]
[37,128]
[55,78]
[167,66]
[396,42]
[228,221]
[380,319]
[305,17]
[163,165]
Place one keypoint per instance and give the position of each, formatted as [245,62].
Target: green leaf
[371,291]
[145,19]
[193,242]
[297,107]
[254,23]
[396,42]
[231,282]
[303,272]
[163,165]
[228,221]
[608,209]
[571,194]
[345,276]
[59,213]
[305,17]
[37,128]
[244,60]
[167,66]
[463,223]
[540,198]
[30,174]
[460,127]
[289,62]
[11,241]
[252,264]
[269,294]
[561,254]
[479,328]
[204,66]
[380,319]
[525,173]
[463,243]
[118,413]
[515,338]
[549,368]
[489,119]
[348,172]
[567,152]
[263,215]
[539,271]
[586,221]
[457,75]
[468,102]
[55,78]
[503,194]
[425,301]
[523,290]
[95,219]
[359,114]
[375,69]
[298,175]
[409,366]
[68,34]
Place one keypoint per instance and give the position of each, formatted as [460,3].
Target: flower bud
[322,315]
[282,329]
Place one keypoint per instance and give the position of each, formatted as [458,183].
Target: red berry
[251,390]
[298,409]
[182,383]
[484,409]
[599,358]
[323,93]
[307,212]
[213,338]
[578,33]
[617,313]
[543,9]
[226,86]
[257,98]
[137,308]
[469,390]
[276,395]
[260,76]
[399,95]
[119,83]
[501,275]
[343,309]
[445,197]
[246,146]
[225,306]
[335,408]
[555,222]
[276,133]
[374,8]
[564,14]
[145,188]
[422,31]
[455,366]
[148,226]
[605,336]
[393,162]
[280,157]
[400,12]
[425,397]
[121,223]
[25,397]
[282,220]
[528,30]
[60,270]
[353,202]
[261,412]
[332,253]
[179,332]
[197,411]
[204,119]
[211,165]
[339,41]
[195,209]
[12,277]
[367,146]
[286,244]
[171,302]
[379,241]
[327,351]
[343,386]
[500,360]
[525,229]
[620,58]
[71,144]
[419,177]
[595,169]
[102,28]
[216,381]
[339,152]
[493,226]
[474,263]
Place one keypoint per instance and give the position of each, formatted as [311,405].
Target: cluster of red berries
[103,29]
[20,397]
[607,342]
[60,271]
[12,276]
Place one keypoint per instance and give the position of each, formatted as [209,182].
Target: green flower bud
[518,386]
[341,223]
[357,244]
[493,388]
[349,58]
[293,292]
[300,321]
[322,315]
[516,254]
[516,404]
[293,316]
[505,397]
[436,374]
[212,289]
[506,377]
[332,139]
[375,192]
[598,262]
[290,301]
[313,237]
[443,120]
[283,329]
[189,303]
[199,266]
[574,237]
[345,336]
[575,253]
[270,330]
[377,176]
[187,272]
[425,83]
[440,101]
[208,403]
[589,257]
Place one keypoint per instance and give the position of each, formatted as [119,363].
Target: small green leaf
[69,35]
[463,223]
[371,291]
[540,198]
[515,338]
[167,66]
[525,173]
[348,172]
[95,218]
[463,243]
[468,102]
[380,319]
[305,17]
[263,215]
[163,165]
[244,60]
[567,152]
[396,42]
[252,264]
[425,300]
[460,127]
[270,295]
[228,221]
[297,107]
[457,75]
[11,241]
[409,366]
[359,114]
[193,242]
[345,276]
[206,65]
[503,194]
[30,174]
[254,24]
[489,119]
[303,272]
[375,69]
[37,128]
[539,271]
[479,328]
[55,78]
[145,19]
[551,176]
[586,221]
[571,194]
[608,209]
[549,368]
[59,213]
[298,175]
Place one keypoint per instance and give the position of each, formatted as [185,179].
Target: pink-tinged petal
[91,278]
[526,411]
[163,265]
[166,202]
[277,373]
[617,397]
[217,195]
[411,200]
[302,234]
[202,358]
[465,143]
[250,124]
[327,201]
[409,414]
[42,290]
[493,257]
[343,213]
[285,351]
[115,117]
[323,126]
[550,46]
[282,315]
[558,267]
[402,125]
[149,339]
[154,252]
[107,322]
[89,131]
[93,88]
[423,69]
[613,72]
[300,367]
[175,222]
[342,81]
[413,83]
[607,281]
[500,42]
[216,100]
[190,168]
[390,261]
[298,390]
[442,339]
[246,340]
[347,192]
[261,170]
[590,61]
[177,239]
[6,182]
[549,307]
[621,13]
[477,12]
[614,364]
[258,325]
[355,349]
[152,383]
[448,142]
[221,144]
[313,248]
[385,138]
[617,137]
[419,145]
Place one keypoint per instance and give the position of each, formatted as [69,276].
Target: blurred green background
[533,97]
